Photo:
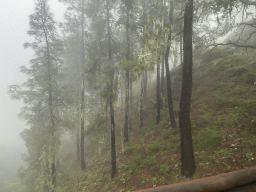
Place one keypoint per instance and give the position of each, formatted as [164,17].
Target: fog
[13,34]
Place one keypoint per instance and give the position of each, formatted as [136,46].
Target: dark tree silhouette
[186,148]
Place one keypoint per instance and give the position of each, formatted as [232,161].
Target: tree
[111,97]
[83,89]
[42,97]
[168,76]
[186,149]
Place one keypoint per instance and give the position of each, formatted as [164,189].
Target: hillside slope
[223,115]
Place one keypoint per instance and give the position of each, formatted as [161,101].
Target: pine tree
[41,96]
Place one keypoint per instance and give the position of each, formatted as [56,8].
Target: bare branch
[236,45]
[248,2]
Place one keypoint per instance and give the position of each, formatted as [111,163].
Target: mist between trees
[102,61]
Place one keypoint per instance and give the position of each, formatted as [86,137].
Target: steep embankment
[223,122]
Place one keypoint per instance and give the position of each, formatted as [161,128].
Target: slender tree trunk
[83,167]
[162,82]
[158,102]
[126,120]
[145,86]
[78,154]
[112,115]
[175,54]
[181,40]
[186,149]
[141,100]
[131,105]
[168,76]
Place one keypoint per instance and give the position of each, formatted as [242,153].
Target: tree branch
[248,2]
[236,45]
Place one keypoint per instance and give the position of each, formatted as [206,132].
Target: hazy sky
[13,34]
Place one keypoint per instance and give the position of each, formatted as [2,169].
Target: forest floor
[223,117]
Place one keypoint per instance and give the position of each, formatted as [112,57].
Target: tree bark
[168,76]
[181,41]
[162,82]
[141,100]
[131,105]
[186,148]
[158,102]
[83,167]
[110,85]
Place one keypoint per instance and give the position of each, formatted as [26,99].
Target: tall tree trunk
[78,152]
[181,40]
[126,120]
[145,86]
[175,54]
[53,168]
[158,102]
[112,114]
[82,93]
[131,105]
[186,148]
[141,100]
[162,82]
[168,76]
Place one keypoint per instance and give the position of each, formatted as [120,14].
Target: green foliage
[142,143]
[202,106]
[166,144]
[243,108]
[226,87]
[137,159]
[154,181]
[151,161]
[176,140]
[200,90]
[249,156]
[166,133]
[205,118]
[129,149]
[143,180]
[137,162]
[165,169]
[226,152]
[249,78]
[153,146]
[207,137]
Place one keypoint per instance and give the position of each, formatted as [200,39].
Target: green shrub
[154,146]
[166,133]
[137,162]
[129,149]
[226,152]
[205,118]
[176,140]
[137,159]
[249,78]
[154,181]
[200,90]
[249,156]
[226,87]
[165,169]
[202,106]
[151,161]
[207,138]
[166,144]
